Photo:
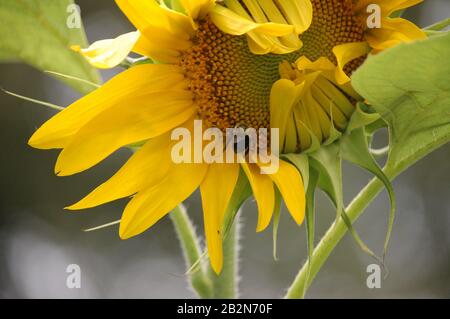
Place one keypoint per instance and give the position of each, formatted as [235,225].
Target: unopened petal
[106,54]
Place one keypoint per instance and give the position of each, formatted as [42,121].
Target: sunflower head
[280,64]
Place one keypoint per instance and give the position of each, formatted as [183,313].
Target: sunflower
[254,63]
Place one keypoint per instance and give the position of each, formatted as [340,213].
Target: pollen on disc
[230,84]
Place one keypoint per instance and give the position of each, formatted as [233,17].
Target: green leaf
[36,32]
[413,97]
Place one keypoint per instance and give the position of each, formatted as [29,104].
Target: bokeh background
[38,239]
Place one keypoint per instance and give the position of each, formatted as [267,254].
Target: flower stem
[333,236]
[198,277]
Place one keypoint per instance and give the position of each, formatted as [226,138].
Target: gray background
[38,239]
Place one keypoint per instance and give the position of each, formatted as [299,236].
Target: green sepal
[35,101]
[241,193]
[335,134]
[355,149]
[375,126]
[315,143]
[398,13]
[301,162]
[358,239]
[176,5]
[276,222]
[328,163]
[438,26]
[362,117]
[310,219]
[130,62]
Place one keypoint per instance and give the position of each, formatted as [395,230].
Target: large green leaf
[413,96]
[36,32]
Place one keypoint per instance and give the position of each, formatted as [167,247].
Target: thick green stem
[333,236]
[225,285]
[198,277]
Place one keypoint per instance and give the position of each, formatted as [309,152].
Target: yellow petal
[145,168]
[321,64]
[396,5]
[106,54]
[333,112]
[312,109]
[146,13]
[271,26]
[324,121]
[261,44]
[336,96]
[263,191]
[283,96]
[197,9]
[216,190]
[290,184]
[153,203]
[267,11]
[393,32]
[133,120]
[262,36]
[291,141]
[302,123]
[232,23]
[60,129]
[161,46]
[165,32]
[346,53]
[299,13]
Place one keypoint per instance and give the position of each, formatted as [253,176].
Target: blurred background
[38,239]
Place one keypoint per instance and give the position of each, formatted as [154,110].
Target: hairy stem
[198,277]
